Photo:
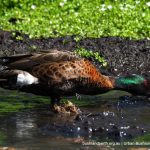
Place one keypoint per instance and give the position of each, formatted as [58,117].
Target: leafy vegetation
[87,18]
[90,54]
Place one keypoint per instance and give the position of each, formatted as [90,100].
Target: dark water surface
[120,120]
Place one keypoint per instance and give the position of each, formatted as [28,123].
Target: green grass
[86,18]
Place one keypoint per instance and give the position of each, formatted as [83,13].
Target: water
[119,120]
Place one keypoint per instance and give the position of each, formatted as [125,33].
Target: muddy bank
[123,55]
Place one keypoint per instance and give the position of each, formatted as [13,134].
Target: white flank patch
[26,79]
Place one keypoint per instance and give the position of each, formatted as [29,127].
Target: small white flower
[103,5]
[137,2]
[33,7]
[61,4]
[76,14]
[130,6]
[103,9]
[122,8]
[143,14]
[148,4]
[28,19]
[109,7]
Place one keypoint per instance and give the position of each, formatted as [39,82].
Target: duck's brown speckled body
[55,74]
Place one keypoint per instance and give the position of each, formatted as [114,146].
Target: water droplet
[121,133]
[90,129]
[125,127]
[78,96]
[124,134]
[111,124]
[78,128]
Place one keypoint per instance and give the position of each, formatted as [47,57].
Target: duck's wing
[28,61]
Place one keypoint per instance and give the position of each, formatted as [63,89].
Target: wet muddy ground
[116,119]
[123,55]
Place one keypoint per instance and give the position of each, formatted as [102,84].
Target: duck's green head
[131,80]
[135,84]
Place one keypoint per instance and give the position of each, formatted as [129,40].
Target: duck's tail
[134,84]
[13,79]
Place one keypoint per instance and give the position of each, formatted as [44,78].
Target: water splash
[78,96]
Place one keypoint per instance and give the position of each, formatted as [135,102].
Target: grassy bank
[87,18]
